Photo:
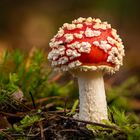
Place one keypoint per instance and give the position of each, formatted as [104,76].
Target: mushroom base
[93,105]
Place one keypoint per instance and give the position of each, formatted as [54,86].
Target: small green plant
[74,107]
[119,117]
[12,85]
[26,121]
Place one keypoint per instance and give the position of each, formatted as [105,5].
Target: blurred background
[28,23]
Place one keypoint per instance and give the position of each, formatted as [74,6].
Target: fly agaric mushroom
[88,48]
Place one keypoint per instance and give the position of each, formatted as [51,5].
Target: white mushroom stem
[93,105]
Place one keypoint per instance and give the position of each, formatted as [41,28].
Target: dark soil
[55,125]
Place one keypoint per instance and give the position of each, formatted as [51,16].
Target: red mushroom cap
[88,44]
